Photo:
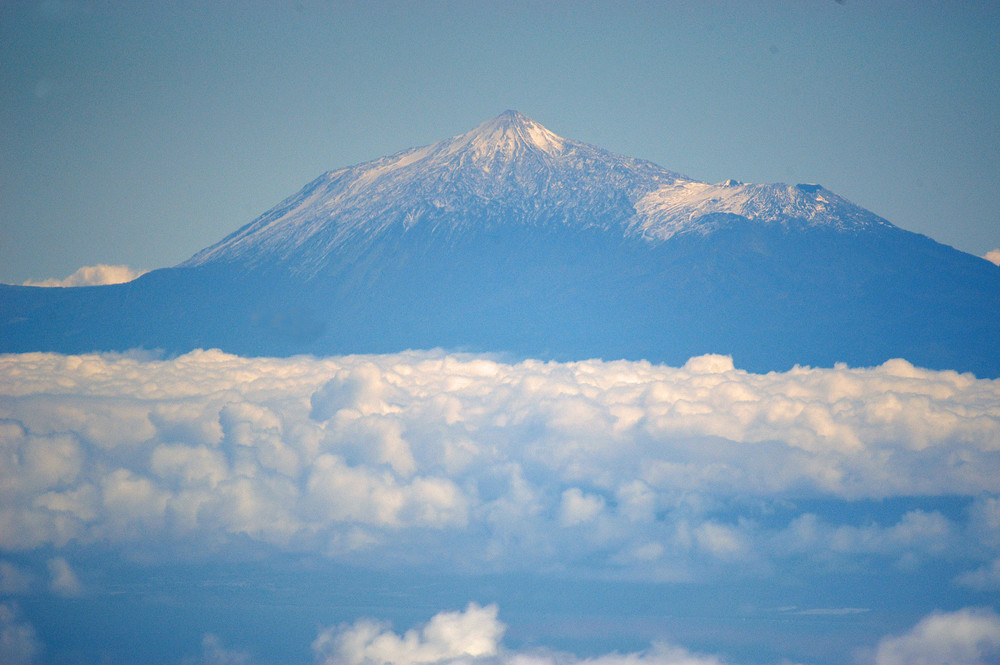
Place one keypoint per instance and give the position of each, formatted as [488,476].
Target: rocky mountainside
[511,239]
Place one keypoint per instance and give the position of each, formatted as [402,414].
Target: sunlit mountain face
[508,174]
[511,239]
[511,399]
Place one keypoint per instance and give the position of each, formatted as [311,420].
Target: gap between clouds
[647,471]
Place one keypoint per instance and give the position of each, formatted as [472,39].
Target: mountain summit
[510,171]
[509,238]
[509,134]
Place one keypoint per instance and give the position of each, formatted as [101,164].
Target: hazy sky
[138,133]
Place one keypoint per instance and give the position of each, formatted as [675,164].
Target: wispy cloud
[63,578]
[984,578]
[14,580]
[18,640]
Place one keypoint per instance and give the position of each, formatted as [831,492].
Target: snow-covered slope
[509,171]
[686,206]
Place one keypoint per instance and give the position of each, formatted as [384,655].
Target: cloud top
[435,459]
[472,633]
[470,637]
[967,636]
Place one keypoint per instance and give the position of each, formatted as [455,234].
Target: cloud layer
[470,637]
[968,637]
[650,471]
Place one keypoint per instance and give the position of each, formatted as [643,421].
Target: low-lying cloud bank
[98,275]
[473,637]
[426,458]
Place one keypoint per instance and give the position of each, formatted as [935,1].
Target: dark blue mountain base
[770,296]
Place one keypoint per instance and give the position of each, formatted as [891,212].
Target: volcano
[510,239]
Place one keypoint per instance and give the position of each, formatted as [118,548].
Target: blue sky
[139,133]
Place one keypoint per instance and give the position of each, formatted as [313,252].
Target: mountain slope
[511,239]
[509,172]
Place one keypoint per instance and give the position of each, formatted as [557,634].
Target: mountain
[509,172]
[511,239]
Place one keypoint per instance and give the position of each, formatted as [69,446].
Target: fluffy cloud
[474,633]
[651,471]
[965,637]
[993,256]
[215,653]
[92,276]
[968,636]
[468,637]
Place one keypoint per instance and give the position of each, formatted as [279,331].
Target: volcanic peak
[506,134]
[510,172]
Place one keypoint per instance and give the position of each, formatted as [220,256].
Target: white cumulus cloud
[92,276]
[969,636]
[993,256]
[965,637]
[469,637]
[465,461]
[473,633]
